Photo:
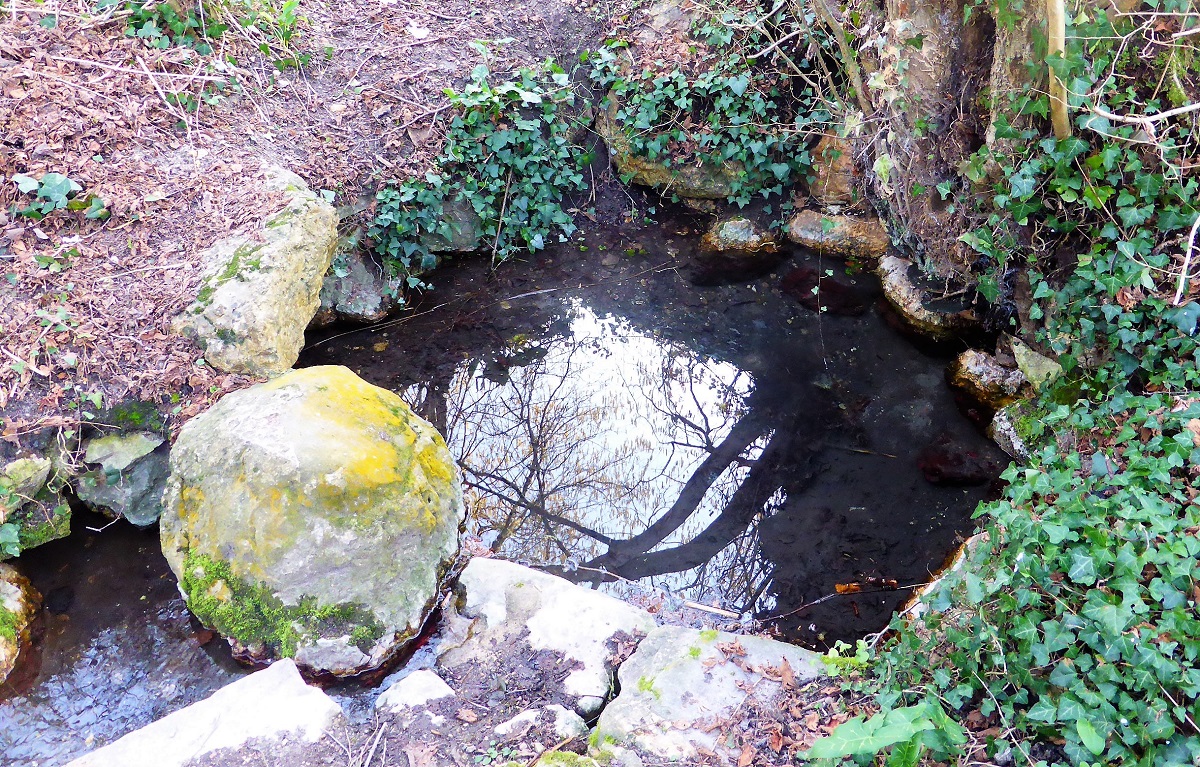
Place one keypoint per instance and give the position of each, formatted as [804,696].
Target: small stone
[1038,368]
[19,605]
[901,290]
[358,289]
[733,250]
[417,689]
[984,380]
[130,479]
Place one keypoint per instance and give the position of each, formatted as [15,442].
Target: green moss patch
[252,614]
[242,262]
[8,623]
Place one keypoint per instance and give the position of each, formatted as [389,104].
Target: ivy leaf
[856,736]
[25,184]
[1092,740]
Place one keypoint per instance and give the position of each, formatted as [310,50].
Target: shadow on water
[618,425]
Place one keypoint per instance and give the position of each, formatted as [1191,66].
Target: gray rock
[130,479]
[259,291]
[507,603]
[358,289]
[982,378]
[909,299]
[19,605]
[680,681]
[313,516]
[735,249]
[273,704]
[30,495]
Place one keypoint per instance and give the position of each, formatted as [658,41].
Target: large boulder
[512,610]
[682,688]
[259,291]
[19,605]
[129,476]
[273,706]
[861,239]
[314,516]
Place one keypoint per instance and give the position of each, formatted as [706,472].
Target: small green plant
[840,661]
[54,191]
[495,754]
[507,162]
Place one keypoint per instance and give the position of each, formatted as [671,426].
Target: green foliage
[908,731]
[160,25]
[8,623]
[840,661]
[54,191]
[507,156]
[1077,617]
[722,107]
[251,614]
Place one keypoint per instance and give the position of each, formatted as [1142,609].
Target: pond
[674,444]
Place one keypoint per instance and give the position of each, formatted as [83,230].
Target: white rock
[505,599]
[273,703]
[567,724]
[678,684]
[416,689]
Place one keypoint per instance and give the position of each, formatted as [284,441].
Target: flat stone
[416,689]
[734,249]
[565,722]
[274,703]
[1038,368]
[852,238]
[24,477]
[507,603]
[680,682]
[130,480]
[116,452]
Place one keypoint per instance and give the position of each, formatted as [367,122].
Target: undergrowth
[1071,634]
[504,175]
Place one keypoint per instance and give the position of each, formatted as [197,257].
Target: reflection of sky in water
[575,439]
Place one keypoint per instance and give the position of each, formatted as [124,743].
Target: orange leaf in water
[847,588]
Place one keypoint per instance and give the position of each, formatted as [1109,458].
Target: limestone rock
[259,291]
[358,289]
[983,379]
[734,249]
[312,516]
[705,182]
[509,603]
[846,237]
[1005,430]
[131,476]
[910,302]
[679,682]
[19,605]
[30,500]
[1038,368]
[563,722]
[273,704]
[416,689]
[835,181]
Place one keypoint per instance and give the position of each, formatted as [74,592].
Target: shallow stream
[673,444]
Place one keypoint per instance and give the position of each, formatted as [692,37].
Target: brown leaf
[1194,427]
[786,676]
[847,588]
[467,715]
[747,755]
[775,741]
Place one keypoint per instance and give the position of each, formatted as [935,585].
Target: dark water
[119,649]
[722,444]
[616,425]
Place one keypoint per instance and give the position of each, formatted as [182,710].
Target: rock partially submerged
[30,496]
[508,605]
[735,249]
[835,182]
[129,478]
[681,684]
[315,517]
[911,302]
[850,238]
[259,291]
[273,706]
[982,378]
[19,605]
[358,289]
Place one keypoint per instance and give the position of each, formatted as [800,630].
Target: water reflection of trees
[607,451]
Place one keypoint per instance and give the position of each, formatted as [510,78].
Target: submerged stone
[313,517]
[259,291]
[460,229]
[19,605]
[130,478]
[359,289]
